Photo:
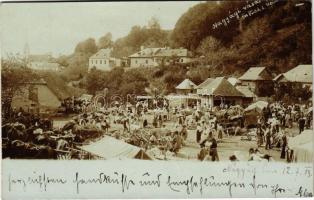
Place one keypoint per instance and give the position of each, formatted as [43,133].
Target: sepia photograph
[188,99]
[199,81]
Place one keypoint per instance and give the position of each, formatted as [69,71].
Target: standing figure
[301,124]
[213,150]
[268,138]
[199,131]
[283,146]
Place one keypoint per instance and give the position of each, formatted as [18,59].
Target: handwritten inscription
[250,9]
[304,192]
[42,181]
[187,185]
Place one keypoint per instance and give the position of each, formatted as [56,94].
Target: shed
[218,91]
[256,78]
[186,86]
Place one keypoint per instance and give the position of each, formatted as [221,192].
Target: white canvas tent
[109,147]
[259,105]
[302,145]
[304,152]
[305,137]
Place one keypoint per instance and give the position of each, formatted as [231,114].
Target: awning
[109,147]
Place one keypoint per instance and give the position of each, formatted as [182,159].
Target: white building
[102,60]
[144,58]
[45,66]
[150,57]
[43,62]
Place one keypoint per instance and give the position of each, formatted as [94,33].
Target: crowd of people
[276,122]
[161,127]
[74,105]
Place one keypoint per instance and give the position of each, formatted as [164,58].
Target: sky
[57,27]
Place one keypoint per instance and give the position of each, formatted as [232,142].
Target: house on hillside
[102,60]
[150,57]
[219,91]
[168,56]
[36,97]
[45,66]
[300,74]
[256,78]
[43,62]
[144,58]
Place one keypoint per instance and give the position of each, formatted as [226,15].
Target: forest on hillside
[227,37]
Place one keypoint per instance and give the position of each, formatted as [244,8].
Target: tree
[63,61]
[95,80]
[153,23]
[196,24]
[87,46]
[78,61]
[151,36]
[209,45]
[198,74]
[14,75]
[133,82]
[105,41]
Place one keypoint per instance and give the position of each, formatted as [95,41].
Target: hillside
[227,39]
[278,35]
[149,36]
[58,86]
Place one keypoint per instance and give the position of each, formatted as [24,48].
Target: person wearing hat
[301,123]
[260,135]
[284,145]
[199,131]
[177,142]
[203,153]
[213,150]
[145,122]
[268,138]
[184,132]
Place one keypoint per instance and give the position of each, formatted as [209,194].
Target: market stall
[109,147]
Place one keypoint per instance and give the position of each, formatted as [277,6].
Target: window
[104,61]
[135,61]
[182,60]
[96,61]
[100,62]
[92,61]
[146,61]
